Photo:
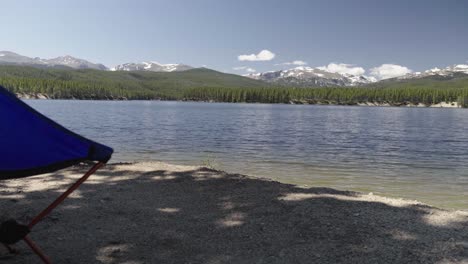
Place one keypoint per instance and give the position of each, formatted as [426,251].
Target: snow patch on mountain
[312,77]
[151,66]
[447,72]
[339,75]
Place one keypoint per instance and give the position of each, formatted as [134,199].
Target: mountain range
[450,71]
[8,57]
[319,77]
[311,77]
[151,66]
[11,58]
[295,77]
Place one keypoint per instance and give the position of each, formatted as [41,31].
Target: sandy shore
[161,213]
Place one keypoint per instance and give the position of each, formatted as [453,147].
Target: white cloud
[343,68]
[386,71]
[244,68]
[264,55]
[296,62]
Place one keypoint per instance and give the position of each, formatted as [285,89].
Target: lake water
[416,153]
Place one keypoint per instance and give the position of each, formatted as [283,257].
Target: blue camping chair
[32,144]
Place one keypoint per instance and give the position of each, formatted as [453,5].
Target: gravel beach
[161,213]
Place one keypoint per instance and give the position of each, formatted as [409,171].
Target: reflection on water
[417,153]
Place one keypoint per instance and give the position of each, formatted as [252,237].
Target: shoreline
[40,96]
[368,194]
[155,212]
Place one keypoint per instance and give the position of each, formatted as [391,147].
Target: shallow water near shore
[415,153]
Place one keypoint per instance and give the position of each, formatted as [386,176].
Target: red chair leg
[64,195]
[54,204]
[37,250]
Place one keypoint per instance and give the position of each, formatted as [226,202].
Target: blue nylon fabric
[31,142]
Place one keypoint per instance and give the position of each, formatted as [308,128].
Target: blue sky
[416,34]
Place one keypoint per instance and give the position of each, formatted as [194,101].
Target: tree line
[346,96]
[64,89]
[208,85]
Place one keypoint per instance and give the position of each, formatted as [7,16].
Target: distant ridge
[311,77]
[301,77]
[151,66]
[11,58]
[319,77]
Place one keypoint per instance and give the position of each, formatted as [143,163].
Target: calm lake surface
[416,153]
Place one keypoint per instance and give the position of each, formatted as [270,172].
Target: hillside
[95,84]
[203,84]
[425,91]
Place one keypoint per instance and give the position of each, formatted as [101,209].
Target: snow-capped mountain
[449,71]
[151,66]
[8,57]
[311,77]
[75,63]
[320,77]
